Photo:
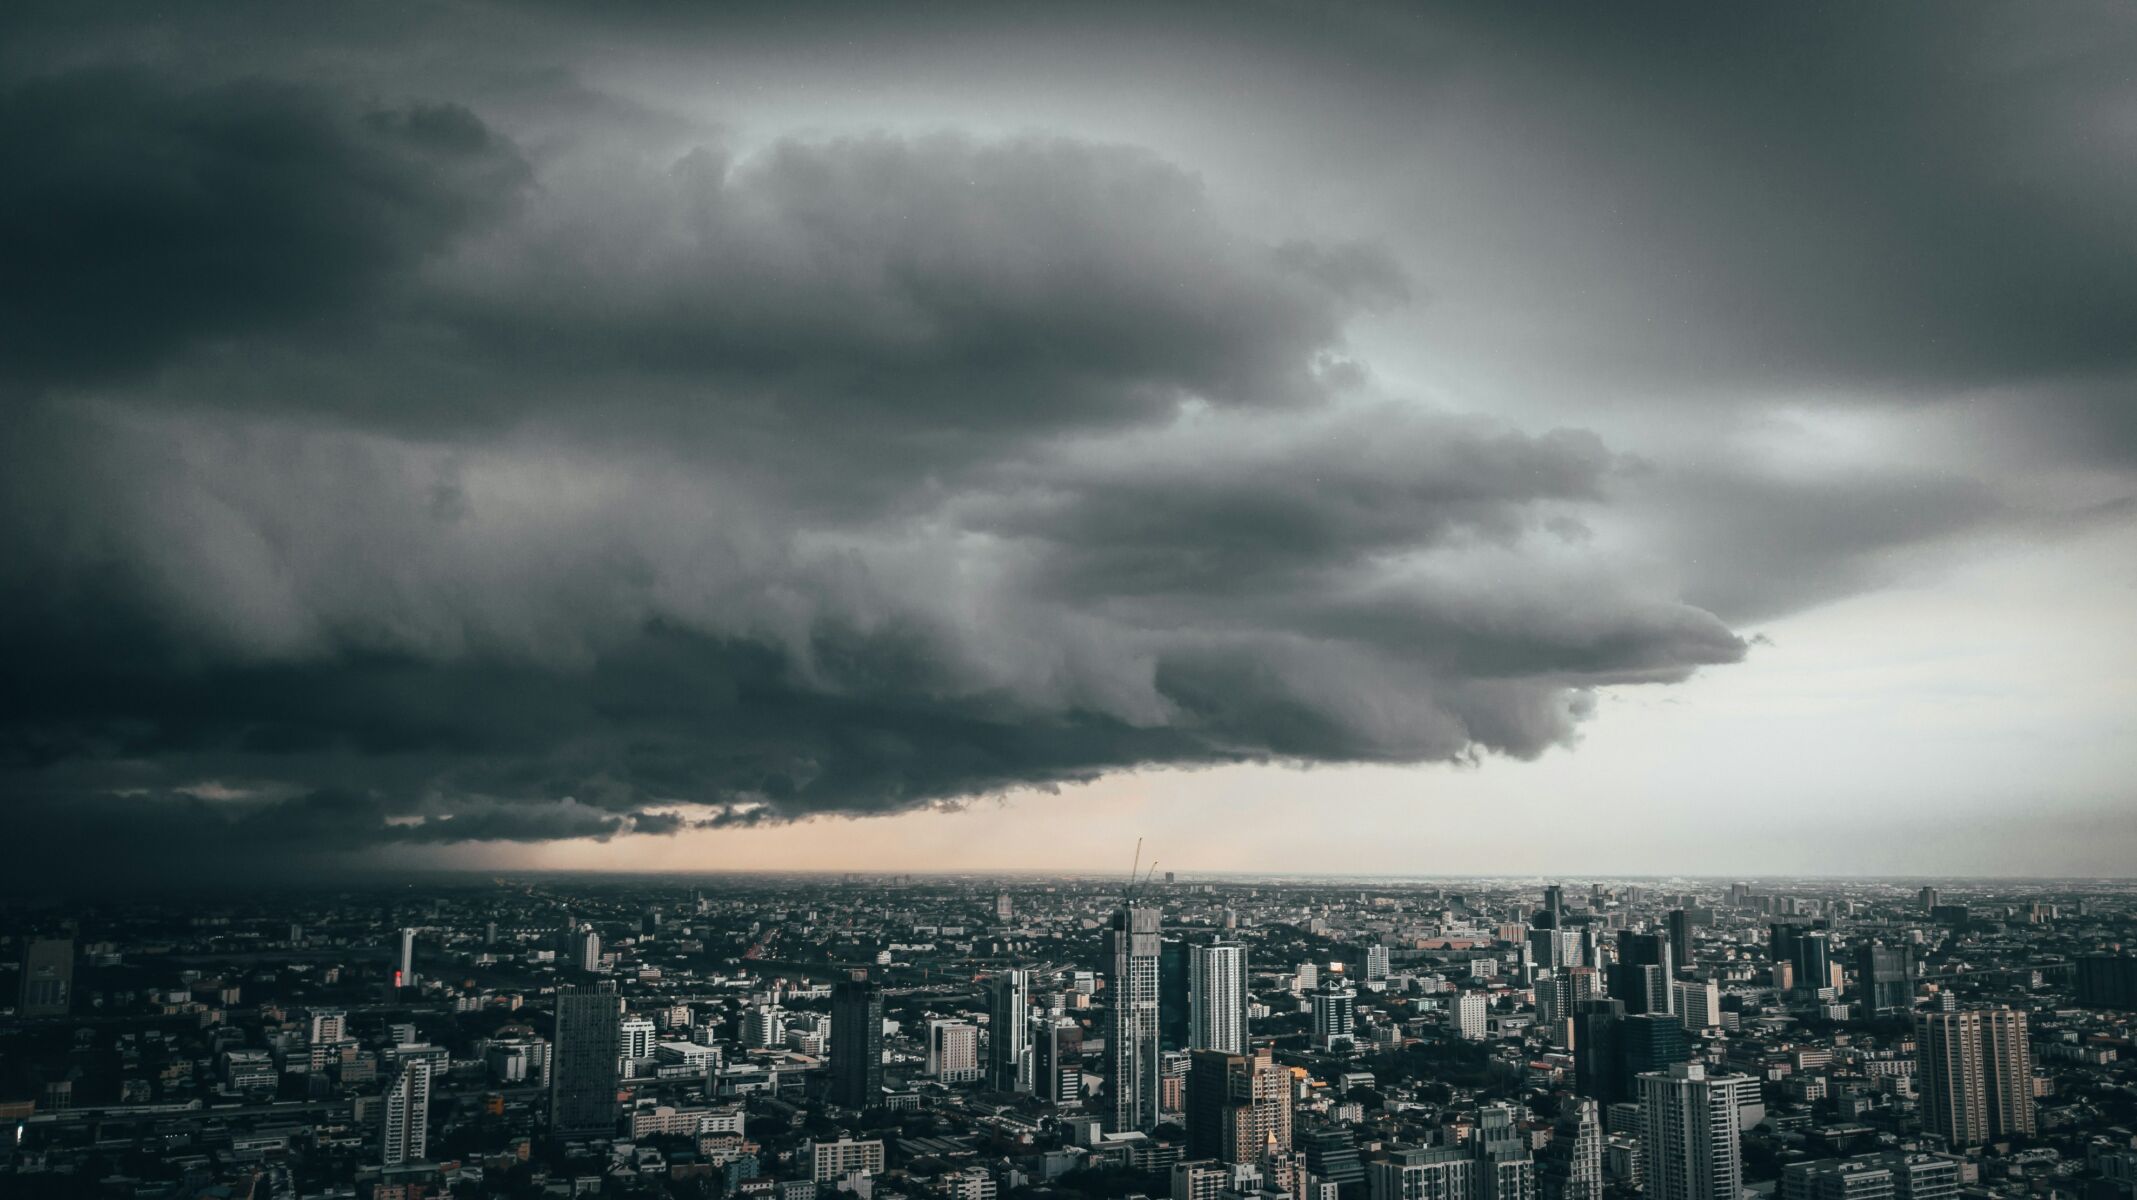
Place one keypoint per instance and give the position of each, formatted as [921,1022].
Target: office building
[1814,960]
[404,1136]
[1335,1014]
[1698,1004]
[1641,976]
[1056,1057]
[953,1051]
[857,1042]
[1009,1032]
[635,1037]
[1690,1142]
[1886,975]
[2107,981]
[1218,996]
[1238,1106]
[1332,1158]
[582,1061]
[1597,1059]
[1975,1075]
[1572,1163]
[47,978]
[1679,928]
[1132,1051]
[1175,995]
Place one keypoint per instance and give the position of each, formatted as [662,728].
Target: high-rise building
[1238,1106]
[1690,1143]
[953,1051]
[1698,1004]
[1558,997]
[404,1136]
[582,1061]
[1376,963]
[1554,907]
[1217,995]
[1572,1166]
[1814,960]
[1641,975]
[404,970]
[1597,1058]
[1554,950]
[586,949]
[1175,995]
[1887,977]
[1332,1158]
[1974,1071]
[1466,1015]
[2107,980]
[47,978]
[1648,1042]
[1056,1075]
[1679,928]
[857,1042]
[1928,898]
[1335,1014]
[1003,911]
[1009,1032]
[1132,1036]
[635,1037]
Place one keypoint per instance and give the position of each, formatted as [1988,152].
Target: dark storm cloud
[139,215]
[378,479]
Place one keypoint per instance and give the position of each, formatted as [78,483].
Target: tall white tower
[1217,997]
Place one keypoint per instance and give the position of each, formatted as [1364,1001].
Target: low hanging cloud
[379,482]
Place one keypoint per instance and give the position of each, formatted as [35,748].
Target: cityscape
[1038,600]
[981,1038]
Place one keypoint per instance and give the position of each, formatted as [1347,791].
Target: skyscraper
[404,974]
[1690,1145]
[582,1062]
[1009,1032]
[1554,906]
[857,1042]
[1975,1074]
[1572,1166]
[1217,995]
[1376,963]
[1175,995]
[47,978]
[1680,932]
[405,1133]
[1641,975]
[1814,960]
[1596,1053]
[1238,1106]
[1132,1037]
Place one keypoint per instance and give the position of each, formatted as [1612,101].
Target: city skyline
[1439,438]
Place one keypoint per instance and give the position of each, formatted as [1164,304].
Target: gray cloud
[431,471]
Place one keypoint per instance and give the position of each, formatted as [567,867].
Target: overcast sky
[1632,438]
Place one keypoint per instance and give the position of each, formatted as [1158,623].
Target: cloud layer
[410,449]
[376,481]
